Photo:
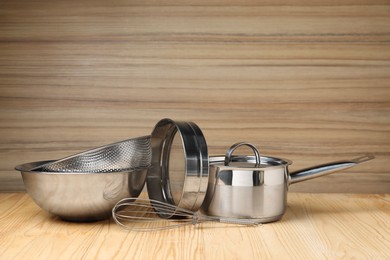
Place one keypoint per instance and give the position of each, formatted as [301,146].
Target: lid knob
[228,156]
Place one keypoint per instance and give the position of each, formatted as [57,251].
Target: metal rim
[265,161]
[196,164]
[26,168]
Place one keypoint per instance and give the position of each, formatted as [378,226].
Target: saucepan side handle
[325,169]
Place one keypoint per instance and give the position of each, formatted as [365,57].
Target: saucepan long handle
[325,169]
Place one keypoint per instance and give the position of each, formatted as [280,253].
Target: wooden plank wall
[304,80]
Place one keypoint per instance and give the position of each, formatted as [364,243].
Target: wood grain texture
[308,81]
[315,226]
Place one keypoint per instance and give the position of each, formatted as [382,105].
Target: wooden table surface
[315,226]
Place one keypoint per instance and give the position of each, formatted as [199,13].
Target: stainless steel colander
[127,155]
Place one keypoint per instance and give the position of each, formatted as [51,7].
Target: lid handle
[228,156]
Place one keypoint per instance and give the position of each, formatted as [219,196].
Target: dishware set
[185,185]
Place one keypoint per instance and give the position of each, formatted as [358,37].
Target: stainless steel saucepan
[256,186]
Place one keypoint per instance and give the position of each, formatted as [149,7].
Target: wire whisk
[138,214]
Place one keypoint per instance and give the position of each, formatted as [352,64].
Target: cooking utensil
[122,156]
[139,214]
[256,187]
[80,196]
[179,171]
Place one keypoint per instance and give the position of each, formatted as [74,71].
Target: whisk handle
[237,221]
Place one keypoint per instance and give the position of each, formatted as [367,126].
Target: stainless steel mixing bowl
[76,196]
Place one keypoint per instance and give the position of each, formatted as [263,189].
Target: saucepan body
[256,188]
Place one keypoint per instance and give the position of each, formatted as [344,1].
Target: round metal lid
[180,164]
[246,161]
[249,161]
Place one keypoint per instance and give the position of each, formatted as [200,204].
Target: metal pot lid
[180,164]
[246,161]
